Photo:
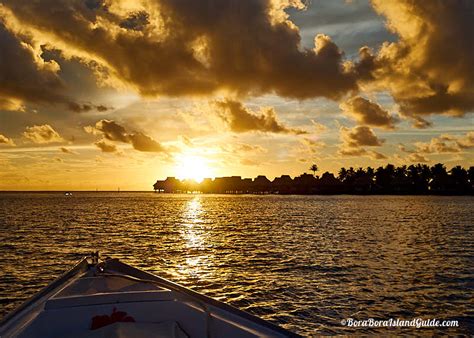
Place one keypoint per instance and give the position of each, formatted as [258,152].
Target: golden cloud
[368,112]
[241,119]
[6,140]
[429,70]
[42,134]
[353,141]
[66,150]
[360,136]
[182,48]
[445,143]
[105,146]
[113,131]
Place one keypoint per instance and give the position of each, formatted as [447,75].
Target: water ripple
[304,262]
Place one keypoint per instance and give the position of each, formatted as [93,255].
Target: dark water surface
[303,262]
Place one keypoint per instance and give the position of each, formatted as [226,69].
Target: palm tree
[438,170]
[342,174]
[460,177]
[313,168]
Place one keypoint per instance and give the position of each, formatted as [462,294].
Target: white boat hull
[113,299]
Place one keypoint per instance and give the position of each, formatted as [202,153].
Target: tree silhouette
[402,180]
[438,170]
[342,174]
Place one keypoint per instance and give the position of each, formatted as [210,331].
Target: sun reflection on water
[193,232]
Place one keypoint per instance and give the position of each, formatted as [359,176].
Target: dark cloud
[102,108]
[24,76]
[345,150]
[113,131]
[42,134]
[360,136]
[354,140]
[136,21]
[142,142]
[85,107]
[176,48]
[66,150]
[94,4]
[368,112]
[106,147]
[194,47]
[429,70]
[27,77]
[78,108]
[419,122]
[240,119]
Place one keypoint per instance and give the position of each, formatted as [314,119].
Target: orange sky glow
[102,94]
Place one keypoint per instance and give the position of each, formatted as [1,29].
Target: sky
[108,94]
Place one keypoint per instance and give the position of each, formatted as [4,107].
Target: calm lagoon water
[303,262]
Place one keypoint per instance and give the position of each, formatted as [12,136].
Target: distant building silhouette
[414,179]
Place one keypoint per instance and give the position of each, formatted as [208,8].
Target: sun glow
[193,167]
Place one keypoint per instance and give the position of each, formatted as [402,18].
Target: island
[417,179]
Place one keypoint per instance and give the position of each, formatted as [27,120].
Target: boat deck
[117,300]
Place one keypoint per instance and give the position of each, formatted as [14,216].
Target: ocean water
[303,262]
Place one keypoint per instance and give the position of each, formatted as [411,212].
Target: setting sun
[192,167]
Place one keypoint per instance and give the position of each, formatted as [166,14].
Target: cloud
[250,162]
[136,21]
[186,141]
[429,70]
[26,77]
[142,142]
[345,150]
[86,107]
[67,150]
[241,119]
[105,146]
[417,158]
[403,148]
[6,140]
[360,136]
[353,141]
[377,156]
[11,104]
[110,130]
[42,134]
[248,148]
[311,145]
[419,122]
[180,48]
[443,144]
[351,151]
[113,131]
[319,126]
[368,112]
[466,142]
[24,74]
